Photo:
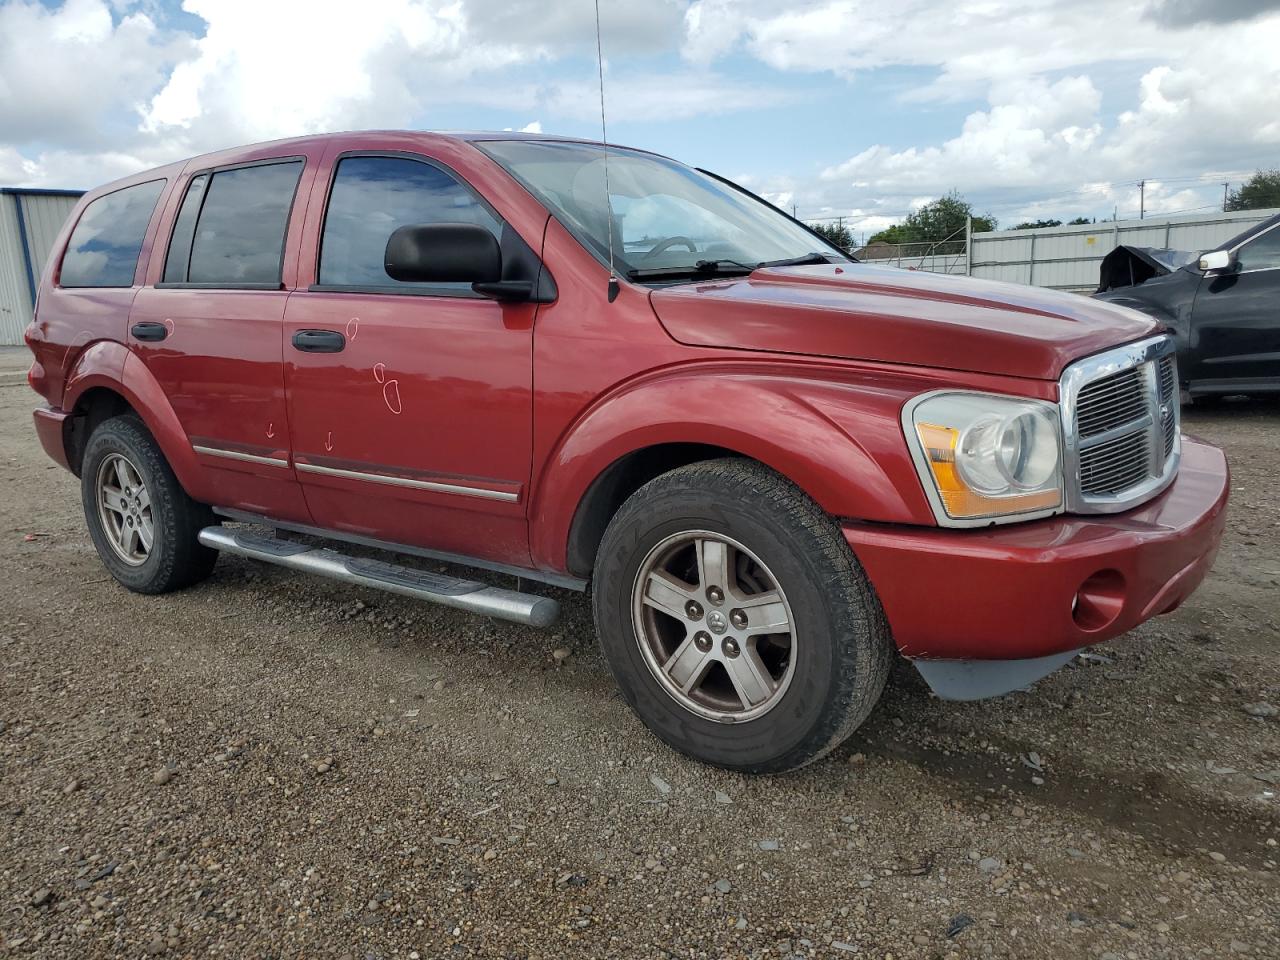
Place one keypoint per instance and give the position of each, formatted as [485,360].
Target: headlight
[985,458]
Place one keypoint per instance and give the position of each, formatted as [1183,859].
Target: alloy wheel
[714,626]
[124,509]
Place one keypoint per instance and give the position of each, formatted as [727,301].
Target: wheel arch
[108,379]
[618,481]
[841,444]
[93,406]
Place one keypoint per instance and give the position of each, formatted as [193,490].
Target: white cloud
[1031,126]
[344,65]
[63,70]
[1200,99]
[92,75]
[1067,103]
[560,26]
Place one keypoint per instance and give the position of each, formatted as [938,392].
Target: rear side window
[104,246]
[179,259]
[1262,253]
[374,196]
[231,227]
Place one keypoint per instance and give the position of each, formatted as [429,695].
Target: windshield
[669,220]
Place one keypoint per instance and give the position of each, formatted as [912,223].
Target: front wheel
[736,620]
[142,522]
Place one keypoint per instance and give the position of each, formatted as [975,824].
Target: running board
[420,584]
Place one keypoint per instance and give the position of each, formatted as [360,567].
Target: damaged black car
[1223,307]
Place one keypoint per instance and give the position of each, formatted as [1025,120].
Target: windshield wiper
[808,258]
[721,268]
[703,268]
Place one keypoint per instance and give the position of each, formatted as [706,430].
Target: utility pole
[1142,199]
[1226,190]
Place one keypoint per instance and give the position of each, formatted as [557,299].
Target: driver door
[1236,319]
[410,404]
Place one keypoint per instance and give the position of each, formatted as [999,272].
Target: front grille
[1169,401]
[1116,465]
[1121,417]
[1112,401]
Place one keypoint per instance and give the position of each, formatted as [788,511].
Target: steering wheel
[668,243]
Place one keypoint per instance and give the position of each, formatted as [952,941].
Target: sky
[838,108]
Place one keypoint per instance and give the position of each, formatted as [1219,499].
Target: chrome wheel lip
[124,509]
[730,635]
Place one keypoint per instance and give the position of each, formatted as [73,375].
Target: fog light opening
[1099,601]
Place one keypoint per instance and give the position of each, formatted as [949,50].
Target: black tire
[176,558]
[843,647]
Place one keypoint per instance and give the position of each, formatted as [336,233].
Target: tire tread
[859,625]
[186,561]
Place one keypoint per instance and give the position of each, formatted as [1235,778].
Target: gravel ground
[274,766]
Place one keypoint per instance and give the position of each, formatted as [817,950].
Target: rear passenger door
[411,404]
[210,329]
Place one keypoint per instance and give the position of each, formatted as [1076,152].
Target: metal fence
[1065,258]
[918,256]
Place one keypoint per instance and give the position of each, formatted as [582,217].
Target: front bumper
[1035,590]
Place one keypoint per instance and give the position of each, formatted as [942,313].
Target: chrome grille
[1117,464]
[1120,420]
[1112,401]
[1169,401]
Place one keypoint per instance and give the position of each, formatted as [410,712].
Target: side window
[374,196]
[179,259]
[104,246]
[231,227]
[1262,253]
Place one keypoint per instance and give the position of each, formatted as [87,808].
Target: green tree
[1259,192]
[1035,224]
[941,222]
[1081,221]
[835,233]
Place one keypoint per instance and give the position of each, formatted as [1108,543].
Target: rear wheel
[142,522]
[736,619]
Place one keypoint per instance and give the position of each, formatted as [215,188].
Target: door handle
[149,331]
[319,341]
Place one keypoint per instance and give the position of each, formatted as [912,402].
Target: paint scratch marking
[391,395]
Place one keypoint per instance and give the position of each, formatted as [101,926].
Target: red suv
[772,465]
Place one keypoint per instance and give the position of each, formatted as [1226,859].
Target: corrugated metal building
[29,223]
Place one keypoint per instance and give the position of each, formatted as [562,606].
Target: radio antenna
[604,140]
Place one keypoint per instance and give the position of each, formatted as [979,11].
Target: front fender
[1155,311]
[111,365]
[841,442]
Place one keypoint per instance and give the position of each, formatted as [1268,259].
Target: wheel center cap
[716,622]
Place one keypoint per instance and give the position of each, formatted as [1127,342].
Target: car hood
[859,312]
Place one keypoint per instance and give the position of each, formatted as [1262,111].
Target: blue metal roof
[41,192]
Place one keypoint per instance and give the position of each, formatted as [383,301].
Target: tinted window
[175,265]
[104,246]
[239,236]
[374,196]
[1261,254]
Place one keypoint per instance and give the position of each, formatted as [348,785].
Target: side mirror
[443,253]
[1215,262]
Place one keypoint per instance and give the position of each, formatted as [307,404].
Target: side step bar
[420,584]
